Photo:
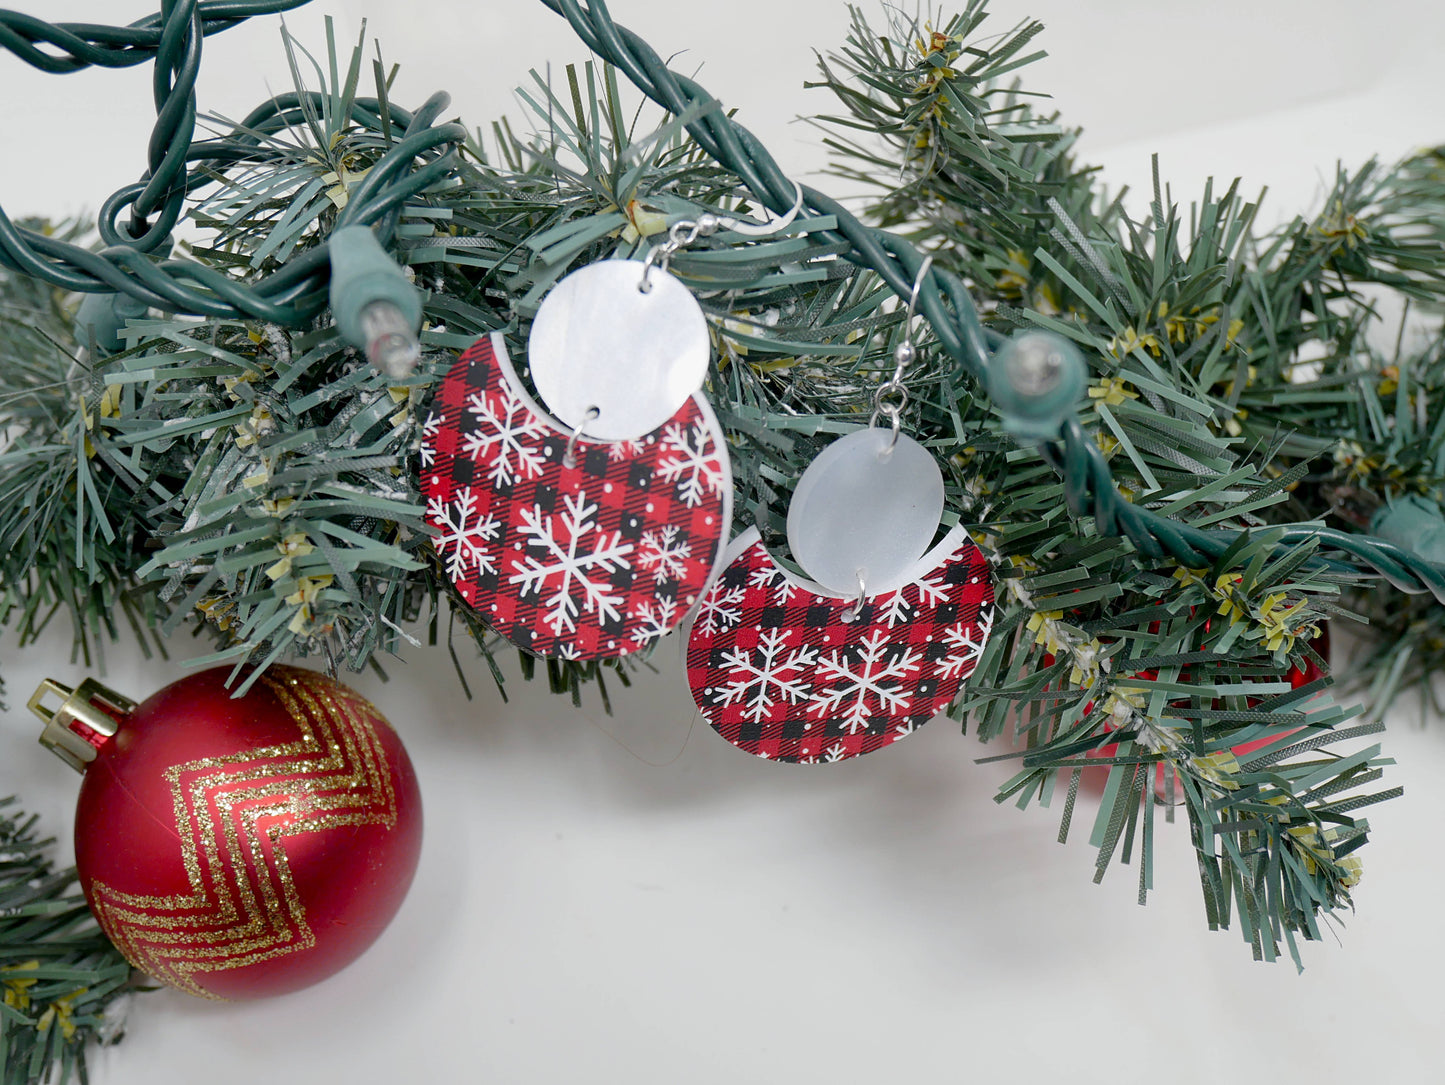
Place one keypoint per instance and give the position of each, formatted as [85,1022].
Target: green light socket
[104,316]
[363,273]
[1036,379]
[1413,523]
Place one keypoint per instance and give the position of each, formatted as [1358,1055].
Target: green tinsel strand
[264,477]
[61,982]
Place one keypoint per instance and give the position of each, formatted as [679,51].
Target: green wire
[426,153]
[179,166]
[1088,483]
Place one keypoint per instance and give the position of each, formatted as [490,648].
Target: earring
[880,638]
[590,531]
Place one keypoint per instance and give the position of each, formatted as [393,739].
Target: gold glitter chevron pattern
[233,816]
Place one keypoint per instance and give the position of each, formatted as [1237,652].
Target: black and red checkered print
[779,673]
[586,561]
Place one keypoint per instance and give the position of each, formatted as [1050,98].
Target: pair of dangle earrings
[588,529]
[879,635]
[592,531]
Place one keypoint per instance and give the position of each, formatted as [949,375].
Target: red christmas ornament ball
[244,847]
[1095,779]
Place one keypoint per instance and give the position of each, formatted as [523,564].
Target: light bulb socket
[377,310]
[1413,523]
[1036,380]
[102,317]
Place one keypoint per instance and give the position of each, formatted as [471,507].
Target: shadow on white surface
[580,913]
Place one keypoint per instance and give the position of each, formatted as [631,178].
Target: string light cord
[85,45]
[179,166]
[944,302]
[295,293]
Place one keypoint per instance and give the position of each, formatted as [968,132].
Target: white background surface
[630,899]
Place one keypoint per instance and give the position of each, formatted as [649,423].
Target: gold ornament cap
[90,705]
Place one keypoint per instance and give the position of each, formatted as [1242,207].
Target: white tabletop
[629,899]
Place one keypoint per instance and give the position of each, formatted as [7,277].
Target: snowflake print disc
[587,561]
[778,673]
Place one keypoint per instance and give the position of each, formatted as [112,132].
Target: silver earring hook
[923,270]
[892,395]
[681,234]
[569,457]
[777,224]
[853,613]
[685,231]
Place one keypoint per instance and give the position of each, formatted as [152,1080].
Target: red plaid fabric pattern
[778,673]
[583,562]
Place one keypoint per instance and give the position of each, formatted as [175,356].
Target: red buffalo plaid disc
[778,673]
[584,562]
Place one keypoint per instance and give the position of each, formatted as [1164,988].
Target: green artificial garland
[1165,560]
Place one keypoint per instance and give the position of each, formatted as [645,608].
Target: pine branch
[261,482]
[265,480]
[1195,327]
[64,986]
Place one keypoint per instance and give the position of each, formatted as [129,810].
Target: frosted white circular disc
[859,510]
[600,342]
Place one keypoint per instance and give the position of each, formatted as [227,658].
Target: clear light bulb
[1035,380]
[1036,364]
[391,342]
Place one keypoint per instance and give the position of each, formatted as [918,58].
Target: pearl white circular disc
[859,510]
[600,342]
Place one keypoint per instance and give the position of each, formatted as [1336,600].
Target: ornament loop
[91,706]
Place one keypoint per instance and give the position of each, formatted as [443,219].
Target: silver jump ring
[881,403]
[893,410]
[680,235]
[895,427]
[853,613]
[903,357]
[658,256]
[569,457]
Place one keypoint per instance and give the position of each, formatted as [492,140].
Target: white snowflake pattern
[896,608]
[568,568]
[834,753]
[964,645]
[865,683]
[761,678]
[661,552]
[462,542]
[774,577]
[621,450]
[931,591]
[657,617]
[429,430]
[690,461]
[506,423]
[719,609]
